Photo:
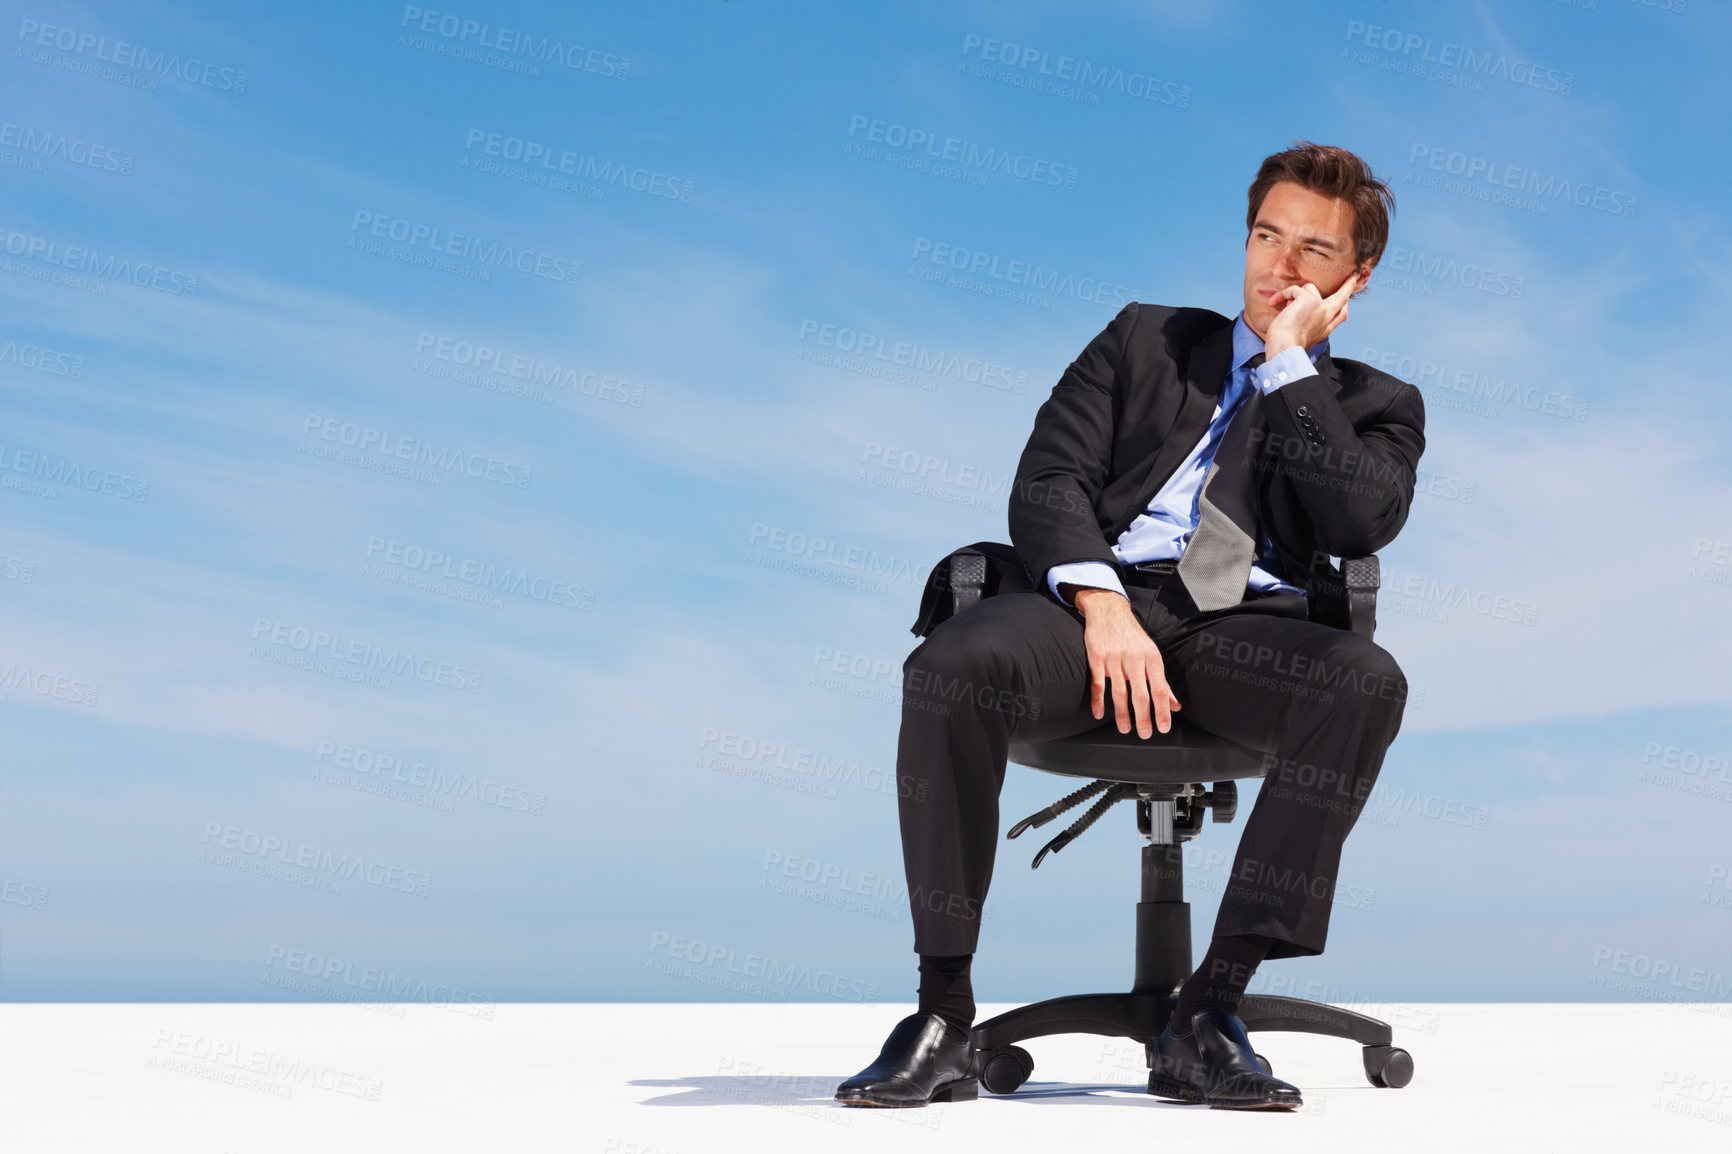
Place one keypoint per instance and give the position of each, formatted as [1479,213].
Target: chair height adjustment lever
[1069,801]
[1112,797]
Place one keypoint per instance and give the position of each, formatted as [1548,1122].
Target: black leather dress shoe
[921,1062]
[1214,1065]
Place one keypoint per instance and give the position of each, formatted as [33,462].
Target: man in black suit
[1175,515]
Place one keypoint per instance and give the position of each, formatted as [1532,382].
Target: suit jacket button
[1303,411]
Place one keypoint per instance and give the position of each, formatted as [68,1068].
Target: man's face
[1300,237]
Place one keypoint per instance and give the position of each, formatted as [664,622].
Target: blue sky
[521,635]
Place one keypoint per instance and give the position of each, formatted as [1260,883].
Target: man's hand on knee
[1120,649]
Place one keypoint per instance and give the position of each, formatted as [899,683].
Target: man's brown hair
[1336,173]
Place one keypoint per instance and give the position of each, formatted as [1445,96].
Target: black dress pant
[1321,703]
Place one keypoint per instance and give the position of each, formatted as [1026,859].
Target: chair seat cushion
[1183,755]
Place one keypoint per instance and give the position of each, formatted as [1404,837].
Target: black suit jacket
[1335,453]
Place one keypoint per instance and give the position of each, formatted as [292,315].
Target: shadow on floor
[806,1093]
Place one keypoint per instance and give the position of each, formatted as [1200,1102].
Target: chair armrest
[966,575]
[967,580]
[1362,576]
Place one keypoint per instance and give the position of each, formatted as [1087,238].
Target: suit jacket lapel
[1207,371]
[1204,375]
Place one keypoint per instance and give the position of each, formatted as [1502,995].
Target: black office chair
[1163,775]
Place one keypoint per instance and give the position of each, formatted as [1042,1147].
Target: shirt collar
[1247,344]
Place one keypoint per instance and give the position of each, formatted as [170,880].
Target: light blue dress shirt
[1161,532]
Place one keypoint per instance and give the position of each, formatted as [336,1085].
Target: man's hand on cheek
[1305,316]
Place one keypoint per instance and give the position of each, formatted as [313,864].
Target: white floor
[695,1079]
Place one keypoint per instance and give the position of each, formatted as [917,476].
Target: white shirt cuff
[1088,574]
[1287,365]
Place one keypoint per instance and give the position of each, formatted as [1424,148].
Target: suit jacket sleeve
[1066,462]
[1356,485]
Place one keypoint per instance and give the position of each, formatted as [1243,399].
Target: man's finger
[1097,686]
[1163,713]
[1161,696]
[1336,321]
[1121,698]
[1157,673]
[1140,695]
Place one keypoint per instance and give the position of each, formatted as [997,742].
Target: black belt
[1151,572]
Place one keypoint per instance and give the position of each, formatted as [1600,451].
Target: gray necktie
[1217,563]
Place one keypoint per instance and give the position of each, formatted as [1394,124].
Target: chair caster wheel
[1264,1062]
[1388,1067]
[1004,1069]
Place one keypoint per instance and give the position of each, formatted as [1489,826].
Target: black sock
[945,989]
[1220,981]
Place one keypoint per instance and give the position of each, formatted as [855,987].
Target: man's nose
[1284,264]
